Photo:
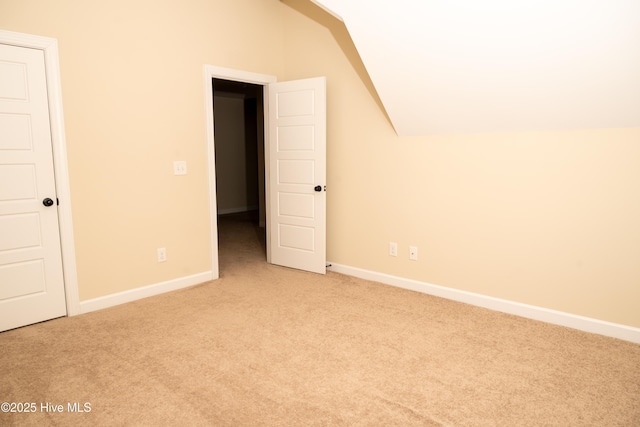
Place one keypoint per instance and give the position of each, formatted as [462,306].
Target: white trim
[238,75]
[267,169]
[58,141]
[587,324]
[210,72]
[143,292]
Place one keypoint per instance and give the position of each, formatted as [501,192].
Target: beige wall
[543,218]
[134,102]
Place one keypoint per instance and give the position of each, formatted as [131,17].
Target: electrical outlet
[393,249]
[180,167]
[413,253]
[162,254]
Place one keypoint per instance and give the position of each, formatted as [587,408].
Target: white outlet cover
[180,167]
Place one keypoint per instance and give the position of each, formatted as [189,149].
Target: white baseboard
[623,332]
[143,292]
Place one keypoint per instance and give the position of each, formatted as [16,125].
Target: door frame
[213,72]
[60,166]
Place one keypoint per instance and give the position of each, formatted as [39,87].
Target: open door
[296,194]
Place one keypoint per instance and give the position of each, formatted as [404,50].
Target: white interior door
[296,195]
[31,280]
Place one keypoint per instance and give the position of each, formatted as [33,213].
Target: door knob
[317,188]
[47,202]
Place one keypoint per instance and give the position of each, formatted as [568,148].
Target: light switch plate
[180,167]
[393,249]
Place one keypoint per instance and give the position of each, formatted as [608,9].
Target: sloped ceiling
[442,66]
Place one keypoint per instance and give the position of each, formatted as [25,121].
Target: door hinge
[57,202]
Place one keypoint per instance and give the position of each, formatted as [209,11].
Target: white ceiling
[443,66]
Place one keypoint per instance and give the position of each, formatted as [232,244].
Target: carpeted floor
[270,346]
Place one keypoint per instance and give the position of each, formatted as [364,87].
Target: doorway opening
[238,116]
[294,203]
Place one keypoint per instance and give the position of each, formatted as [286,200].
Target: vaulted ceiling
[499,65]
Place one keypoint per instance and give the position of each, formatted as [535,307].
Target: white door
[296,232]
[31,281]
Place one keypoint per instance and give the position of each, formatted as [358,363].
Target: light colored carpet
[270,346]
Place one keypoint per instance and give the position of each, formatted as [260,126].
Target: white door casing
[296,198]
[31,274]
[211,72]
[312,260]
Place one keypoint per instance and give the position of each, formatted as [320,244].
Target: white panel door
[31,281]
[296,231]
